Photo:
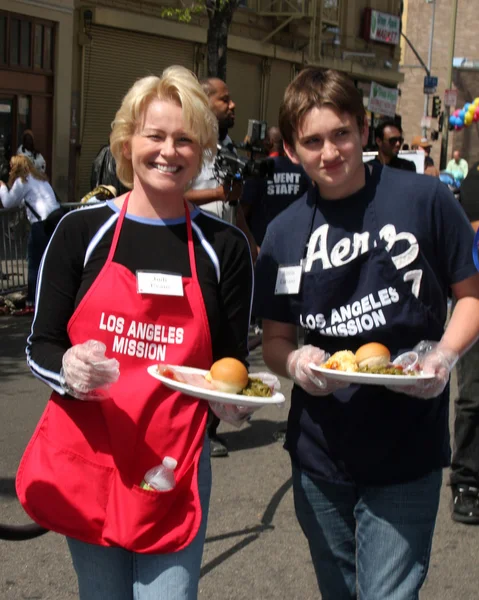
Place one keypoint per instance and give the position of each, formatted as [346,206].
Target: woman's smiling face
[165,157]
[329,146]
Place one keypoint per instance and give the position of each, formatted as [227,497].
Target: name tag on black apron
[288,280]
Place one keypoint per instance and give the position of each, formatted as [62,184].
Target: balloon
[457,128]
[456,112]
[475,118]
[462,114]
[476,101]
[466,106]
[471,109]
[468,119]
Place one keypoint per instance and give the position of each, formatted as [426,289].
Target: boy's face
[329,146]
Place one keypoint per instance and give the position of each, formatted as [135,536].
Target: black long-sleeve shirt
[79,249]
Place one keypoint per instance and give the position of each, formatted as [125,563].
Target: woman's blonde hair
[179,85]
[22,166]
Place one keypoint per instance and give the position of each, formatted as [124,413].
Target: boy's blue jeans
[368,542]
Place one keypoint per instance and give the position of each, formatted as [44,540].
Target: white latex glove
[297,366]
[231,413]
[434,359]
[86,370]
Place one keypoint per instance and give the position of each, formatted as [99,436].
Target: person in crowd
[27,148]
[29,187]
[144,279]
[457,166]
[389,139]
[103,171]
[429,168]
[422,144]
[264,199]
[221,199]
[348,265]
[464,477]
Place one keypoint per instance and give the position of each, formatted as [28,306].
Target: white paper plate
[369,378]
[204,394]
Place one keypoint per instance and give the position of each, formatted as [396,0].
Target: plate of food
[228,381]
[371,365]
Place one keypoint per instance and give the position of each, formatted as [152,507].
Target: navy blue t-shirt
[378,436]
[268,198]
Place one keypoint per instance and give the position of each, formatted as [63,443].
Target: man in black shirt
[389,139]
[265,198]
[465,458]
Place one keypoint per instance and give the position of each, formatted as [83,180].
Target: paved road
[254,548]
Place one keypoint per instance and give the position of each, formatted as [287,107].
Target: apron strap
[191,246]
[116,235]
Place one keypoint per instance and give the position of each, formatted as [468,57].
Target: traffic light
[436,107]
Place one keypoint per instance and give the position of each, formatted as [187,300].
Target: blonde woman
[30,187]
[101,321]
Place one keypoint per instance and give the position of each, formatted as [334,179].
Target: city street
[254,548]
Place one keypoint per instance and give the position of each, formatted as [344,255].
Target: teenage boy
[356,261]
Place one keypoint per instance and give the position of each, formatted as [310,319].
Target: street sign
[430,84]
[382,99]
[426,122]
[450,98]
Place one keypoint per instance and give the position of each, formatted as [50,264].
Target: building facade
[269,42]
[417,18]
[102,46]
[35,81]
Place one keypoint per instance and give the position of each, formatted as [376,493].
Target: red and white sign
[381,27]
[450,98]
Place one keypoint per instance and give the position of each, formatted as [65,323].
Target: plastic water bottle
[162,477]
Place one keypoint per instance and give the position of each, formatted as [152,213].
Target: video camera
[228,165]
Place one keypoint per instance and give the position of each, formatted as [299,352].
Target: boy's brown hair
[314,87]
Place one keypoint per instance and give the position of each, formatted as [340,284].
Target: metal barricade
[14,230]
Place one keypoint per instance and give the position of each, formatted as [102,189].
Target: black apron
[366,434]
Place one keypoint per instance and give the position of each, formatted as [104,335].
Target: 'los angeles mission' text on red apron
[81,471]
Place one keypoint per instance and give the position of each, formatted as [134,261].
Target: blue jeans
[368,542]
[106,573]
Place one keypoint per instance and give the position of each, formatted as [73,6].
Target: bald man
[213,196]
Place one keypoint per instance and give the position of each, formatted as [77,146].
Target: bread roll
[228,375]
[372,355]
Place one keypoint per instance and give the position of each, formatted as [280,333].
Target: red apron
[81,471]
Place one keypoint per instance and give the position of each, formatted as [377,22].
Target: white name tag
[288,280]
[161,284]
